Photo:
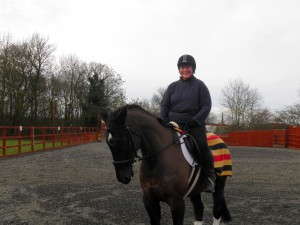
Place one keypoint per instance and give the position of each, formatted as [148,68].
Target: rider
[187,101]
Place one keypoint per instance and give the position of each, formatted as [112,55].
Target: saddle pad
[188,157]
[221,154]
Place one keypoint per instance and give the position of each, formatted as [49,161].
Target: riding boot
[209,183]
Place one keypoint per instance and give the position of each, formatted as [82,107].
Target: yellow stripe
[222,163]
[214,142]
[221,151]
[225,173]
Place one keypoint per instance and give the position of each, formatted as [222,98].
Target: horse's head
[119,140]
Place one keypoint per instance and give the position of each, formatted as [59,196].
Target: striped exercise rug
[221,154]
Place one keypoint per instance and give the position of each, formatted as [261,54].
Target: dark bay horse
[164,172]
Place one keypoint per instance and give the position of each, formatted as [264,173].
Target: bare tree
[114,94]
[35,89]
[39,55]
[15,83]
[73,76]
[153,105]
[290,115]
[242,103]
[5,43]
[156,100]
[144,103]
[212,118]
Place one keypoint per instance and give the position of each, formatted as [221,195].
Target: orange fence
[288,138]
[21,140]
[293,137]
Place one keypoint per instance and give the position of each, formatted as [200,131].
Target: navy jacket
[185,100]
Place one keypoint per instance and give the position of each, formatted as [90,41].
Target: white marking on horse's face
[109,138]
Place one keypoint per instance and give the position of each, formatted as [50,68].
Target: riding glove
[190,125]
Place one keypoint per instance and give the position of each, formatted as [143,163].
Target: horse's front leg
[177,209]
[198,208]
[153,208]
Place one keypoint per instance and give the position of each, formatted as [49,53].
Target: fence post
[101,131]
[69,135]
[19,139]
[287,132]
[44,138]
[32,138]
[4,142]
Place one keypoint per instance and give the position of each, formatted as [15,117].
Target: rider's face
[186,71]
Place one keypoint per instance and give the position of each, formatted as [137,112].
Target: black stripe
[227,168]
[217,146]
[224,168]
[219,170]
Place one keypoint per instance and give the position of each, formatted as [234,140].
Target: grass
[12,146]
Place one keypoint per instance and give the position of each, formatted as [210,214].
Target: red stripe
[212,137]
[219,158]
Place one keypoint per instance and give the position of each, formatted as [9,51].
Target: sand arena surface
[77,185]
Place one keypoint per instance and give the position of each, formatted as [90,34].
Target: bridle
[133,149]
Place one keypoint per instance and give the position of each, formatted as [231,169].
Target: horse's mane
[114,115]
[139,108]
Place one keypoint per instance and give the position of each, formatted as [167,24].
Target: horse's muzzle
[124,177]
[125,180]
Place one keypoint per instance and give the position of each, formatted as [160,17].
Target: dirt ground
[78,186]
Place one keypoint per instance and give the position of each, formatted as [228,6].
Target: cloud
[257,41]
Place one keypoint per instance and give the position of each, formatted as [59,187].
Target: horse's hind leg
[198,208]
[220,209]
[153,208]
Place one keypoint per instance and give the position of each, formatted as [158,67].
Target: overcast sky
[257,41]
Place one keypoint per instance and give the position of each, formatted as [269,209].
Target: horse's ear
[121,119]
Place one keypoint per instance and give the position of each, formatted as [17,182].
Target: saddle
[188,139]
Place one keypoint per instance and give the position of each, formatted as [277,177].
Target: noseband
[133,149]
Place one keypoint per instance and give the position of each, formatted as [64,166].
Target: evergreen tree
[95,100]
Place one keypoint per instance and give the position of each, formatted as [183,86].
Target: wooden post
[4,142]
[32,138]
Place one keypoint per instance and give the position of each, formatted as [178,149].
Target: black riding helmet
[187,60]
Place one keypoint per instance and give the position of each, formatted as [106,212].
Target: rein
[133,149]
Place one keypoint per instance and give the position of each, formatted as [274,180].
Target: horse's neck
[154,136]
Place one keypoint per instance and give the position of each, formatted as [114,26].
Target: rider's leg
[207,162]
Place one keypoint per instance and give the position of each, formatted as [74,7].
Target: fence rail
[21,140]
[284,138]
[17,140]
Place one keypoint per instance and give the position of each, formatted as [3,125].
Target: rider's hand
[190,125]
